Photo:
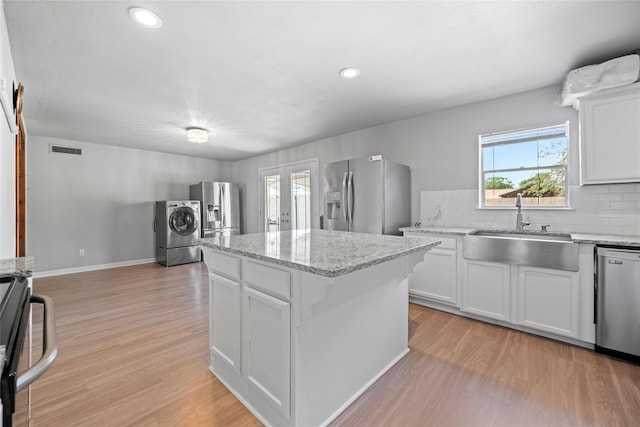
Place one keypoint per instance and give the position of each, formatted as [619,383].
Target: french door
[288,200]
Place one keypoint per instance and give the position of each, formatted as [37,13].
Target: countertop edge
[458,231]
[576,237]
[604,239]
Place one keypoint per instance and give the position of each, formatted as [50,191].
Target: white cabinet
[486,289]
[536,298]
[267,347]
[610,136]
[250,328]
[436,278]
[549,300]
[267,333]
[224,322]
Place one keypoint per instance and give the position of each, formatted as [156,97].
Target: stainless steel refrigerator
[366,195]
[219,207]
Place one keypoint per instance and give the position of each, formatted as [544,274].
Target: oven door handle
[49,344]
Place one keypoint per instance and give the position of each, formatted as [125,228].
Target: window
[532,162]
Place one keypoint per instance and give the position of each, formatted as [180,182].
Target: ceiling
[262,76]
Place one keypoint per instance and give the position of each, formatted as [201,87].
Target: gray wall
[102,201]
[440,147]
[7,190]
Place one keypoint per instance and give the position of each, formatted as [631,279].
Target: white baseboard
[72,270]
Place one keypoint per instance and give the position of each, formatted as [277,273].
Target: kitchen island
[302,322]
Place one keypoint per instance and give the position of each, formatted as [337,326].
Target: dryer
[177,228]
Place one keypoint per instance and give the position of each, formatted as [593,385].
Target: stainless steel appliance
[177,227]
[366,195]
[15,322]
[618,302]
[220,202]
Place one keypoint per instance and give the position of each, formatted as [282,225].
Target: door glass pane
[272,202]
[301,200]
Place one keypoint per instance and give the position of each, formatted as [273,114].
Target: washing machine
[177,226]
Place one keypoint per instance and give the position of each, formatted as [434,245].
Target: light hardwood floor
[133,352]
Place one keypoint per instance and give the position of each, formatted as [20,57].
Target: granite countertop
[460,231]
[322,252]
[576,237]
[16,266]
[606,239]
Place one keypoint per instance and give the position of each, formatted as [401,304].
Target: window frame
[481,172]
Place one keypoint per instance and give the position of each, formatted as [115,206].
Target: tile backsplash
[602,209]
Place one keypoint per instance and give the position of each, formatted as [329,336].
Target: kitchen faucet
[519,223]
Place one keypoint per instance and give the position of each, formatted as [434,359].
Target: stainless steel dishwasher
[617,290]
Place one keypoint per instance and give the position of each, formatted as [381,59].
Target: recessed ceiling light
[349,73]
[145,17]
[197,135]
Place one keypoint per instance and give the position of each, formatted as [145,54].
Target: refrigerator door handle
[222,206]
[350,198]
[344,199]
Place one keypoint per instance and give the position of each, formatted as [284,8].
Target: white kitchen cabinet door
[549,300]
[268,347]
[486,289]
[610,136]
[225,307]
[436,277]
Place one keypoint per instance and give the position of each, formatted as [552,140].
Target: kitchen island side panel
[347,339]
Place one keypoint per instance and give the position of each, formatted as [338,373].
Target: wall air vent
[66,150]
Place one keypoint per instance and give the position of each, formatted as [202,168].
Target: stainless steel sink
[538,249]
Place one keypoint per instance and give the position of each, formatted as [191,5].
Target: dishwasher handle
[49,344]
[619,254]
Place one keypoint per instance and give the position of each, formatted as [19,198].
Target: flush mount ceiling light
[197,135]
[145,17]
[349,73]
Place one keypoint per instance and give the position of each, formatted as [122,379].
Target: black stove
[6,286]
[14,317]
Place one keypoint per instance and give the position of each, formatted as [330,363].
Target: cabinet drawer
[447,241]
[224,265]
[273,281]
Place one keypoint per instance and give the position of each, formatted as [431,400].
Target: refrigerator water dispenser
[333,203]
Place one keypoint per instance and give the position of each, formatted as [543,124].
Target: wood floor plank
[133,352]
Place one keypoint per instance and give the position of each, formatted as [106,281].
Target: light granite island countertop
[303,322]
[323,252]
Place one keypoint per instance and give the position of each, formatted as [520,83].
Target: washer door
[184,226]
[183,221]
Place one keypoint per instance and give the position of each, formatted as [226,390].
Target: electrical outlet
[81,252]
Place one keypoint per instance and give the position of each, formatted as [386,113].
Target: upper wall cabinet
[610,136]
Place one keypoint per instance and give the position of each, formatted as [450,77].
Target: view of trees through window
[532,162]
